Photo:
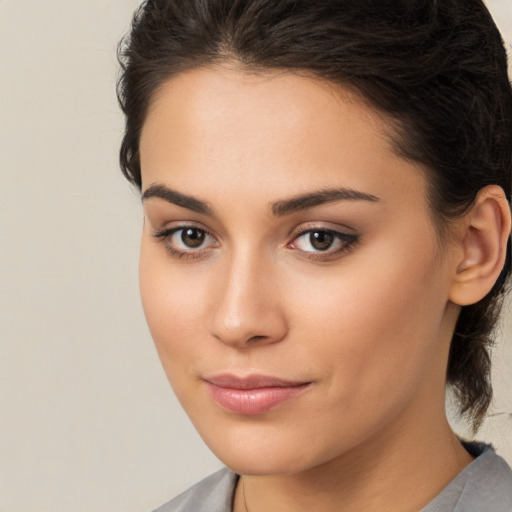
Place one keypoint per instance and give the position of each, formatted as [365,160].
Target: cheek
[375,325]
[171,300]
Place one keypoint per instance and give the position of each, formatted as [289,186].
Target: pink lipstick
[252,395]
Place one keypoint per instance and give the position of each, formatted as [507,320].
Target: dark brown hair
[437,68]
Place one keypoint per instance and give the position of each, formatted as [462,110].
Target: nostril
[257,338]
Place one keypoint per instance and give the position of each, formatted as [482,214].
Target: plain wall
[88,422]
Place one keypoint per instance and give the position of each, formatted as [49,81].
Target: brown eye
[193,237]
[321,240]
[187,242]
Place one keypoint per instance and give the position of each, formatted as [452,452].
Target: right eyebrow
[177,198]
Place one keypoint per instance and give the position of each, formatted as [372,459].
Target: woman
[326,242]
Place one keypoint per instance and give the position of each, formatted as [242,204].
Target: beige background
[88,422]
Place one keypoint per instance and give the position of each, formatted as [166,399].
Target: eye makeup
[318,243]
[186,241]
[321,243]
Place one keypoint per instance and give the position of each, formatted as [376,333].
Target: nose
[247,309]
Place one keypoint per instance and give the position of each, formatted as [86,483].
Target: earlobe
[486,229]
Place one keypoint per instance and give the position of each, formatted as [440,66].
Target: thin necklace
[243,494]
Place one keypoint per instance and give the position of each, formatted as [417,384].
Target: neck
[403,468]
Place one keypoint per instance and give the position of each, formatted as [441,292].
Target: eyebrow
[310,200]
[278,209]
[177,198]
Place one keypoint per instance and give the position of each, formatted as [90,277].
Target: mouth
[254,394]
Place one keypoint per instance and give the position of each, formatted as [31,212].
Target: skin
[368,326]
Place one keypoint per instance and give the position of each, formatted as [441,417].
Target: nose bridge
[247,309]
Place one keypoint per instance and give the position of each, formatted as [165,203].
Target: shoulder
[489,484]
[486,484]
[213,494]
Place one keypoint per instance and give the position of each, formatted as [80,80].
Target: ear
[483,243]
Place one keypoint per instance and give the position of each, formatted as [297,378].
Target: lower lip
[253,401]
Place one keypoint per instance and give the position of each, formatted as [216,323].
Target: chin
[265,451]
[263,463]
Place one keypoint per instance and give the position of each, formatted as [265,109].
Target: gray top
[483,486]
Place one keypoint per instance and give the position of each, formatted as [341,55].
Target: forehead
[212,128]
[224,94]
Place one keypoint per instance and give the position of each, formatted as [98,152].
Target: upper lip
[254,381]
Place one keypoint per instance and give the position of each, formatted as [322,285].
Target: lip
[253,394]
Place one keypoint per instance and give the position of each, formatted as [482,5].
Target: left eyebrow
[310,200]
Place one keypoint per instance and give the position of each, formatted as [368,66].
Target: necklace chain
[243,494]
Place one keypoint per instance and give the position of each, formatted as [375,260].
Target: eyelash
[348,241]
[165,235]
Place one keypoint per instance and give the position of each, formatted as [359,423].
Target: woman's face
[290,272]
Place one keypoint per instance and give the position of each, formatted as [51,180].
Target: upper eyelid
[182,225]
[172,230]
[320,228]
[336,233]
[332,228]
